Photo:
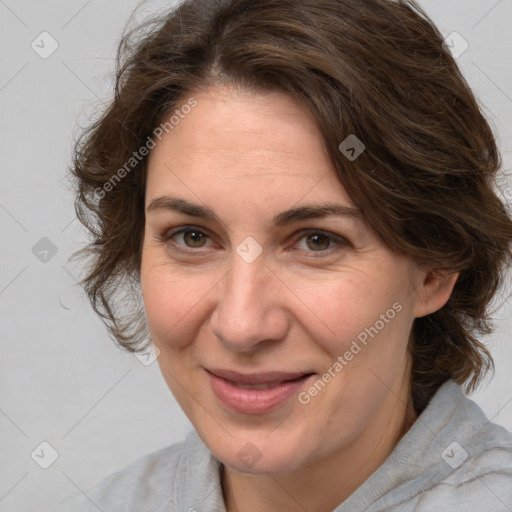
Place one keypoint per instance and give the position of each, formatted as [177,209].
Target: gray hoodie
[452,459]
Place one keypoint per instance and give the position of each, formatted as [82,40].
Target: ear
[434,291]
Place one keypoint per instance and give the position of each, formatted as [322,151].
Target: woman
[299,193]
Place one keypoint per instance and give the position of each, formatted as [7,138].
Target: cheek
[172,302]
[357,310]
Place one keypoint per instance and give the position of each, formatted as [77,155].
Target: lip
[255,401]
[255,378]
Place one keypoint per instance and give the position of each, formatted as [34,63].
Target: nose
[250,310]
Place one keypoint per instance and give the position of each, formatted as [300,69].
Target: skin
[248,157]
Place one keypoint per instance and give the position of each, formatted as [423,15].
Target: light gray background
[62,380]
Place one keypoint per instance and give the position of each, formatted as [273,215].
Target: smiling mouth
[267,385]
[256,393]
[256,386]
[260,380]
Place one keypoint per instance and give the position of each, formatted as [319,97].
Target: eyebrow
[307,211]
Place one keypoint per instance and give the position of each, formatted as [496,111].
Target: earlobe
[434,291]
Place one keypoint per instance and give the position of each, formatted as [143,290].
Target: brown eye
[194,238]
[185,239]
[318,241]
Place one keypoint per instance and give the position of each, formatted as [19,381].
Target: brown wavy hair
[374,68]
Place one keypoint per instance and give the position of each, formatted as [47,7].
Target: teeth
[257,386]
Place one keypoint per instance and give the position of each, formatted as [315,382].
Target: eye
[318,241]
[185,238]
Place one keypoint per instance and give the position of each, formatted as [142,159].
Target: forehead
[245,141]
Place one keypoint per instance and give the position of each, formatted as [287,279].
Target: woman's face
[252,281]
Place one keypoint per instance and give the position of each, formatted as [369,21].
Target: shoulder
[453,459]
[486,488]
[478,460]
[146,484]
[484,478]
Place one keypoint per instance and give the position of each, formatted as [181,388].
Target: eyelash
[339,241]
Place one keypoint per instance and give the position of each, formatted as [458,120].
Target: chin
[262,455]
[274,465]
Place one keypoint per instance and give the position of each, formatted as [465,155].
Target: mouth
[259,386]
[260,380]
[255,393]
